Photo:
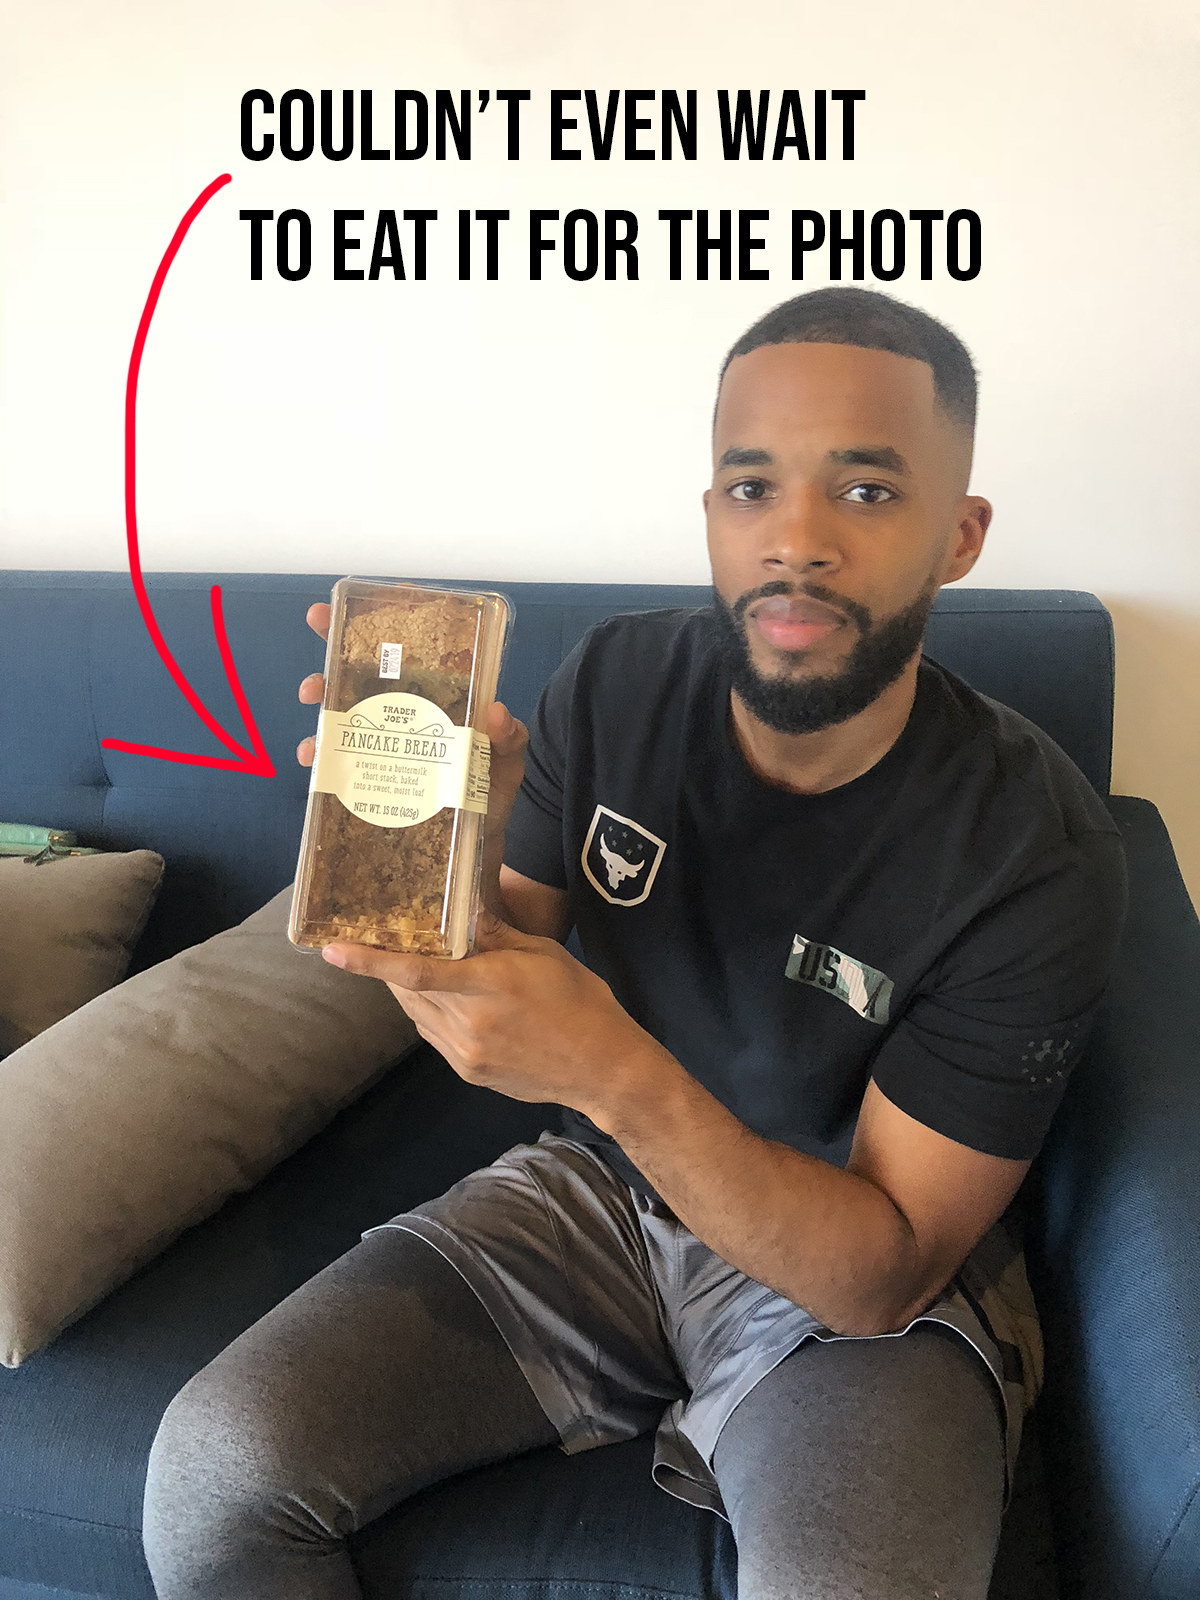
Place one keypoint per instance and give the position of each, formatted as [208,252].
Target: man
[846,924]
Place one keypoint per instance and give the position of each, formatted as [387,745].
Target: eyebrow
[882,456]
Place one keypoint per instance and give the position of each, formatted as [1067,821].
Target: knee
[869,1468]
[212,1437]
[224,1472]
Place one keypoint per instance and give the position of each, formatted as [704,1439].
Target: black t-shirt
[944,923]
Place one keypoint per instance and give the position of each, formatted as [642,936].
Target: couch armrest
[1114,1257]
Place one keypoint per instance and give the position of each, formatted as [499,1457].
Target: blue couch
[1107,1503]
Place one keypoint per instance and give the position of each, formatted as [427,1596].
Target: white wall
[558,429]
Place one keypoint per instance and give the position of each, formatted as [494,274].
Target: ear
[704,499]
[974,516]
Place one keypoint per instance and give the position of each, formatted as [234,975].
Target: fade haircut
[873,321]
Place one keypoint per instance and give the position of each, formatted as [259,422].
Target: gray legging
[856,1470]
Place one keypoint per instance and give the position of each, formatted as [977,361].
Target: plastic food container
[393,834]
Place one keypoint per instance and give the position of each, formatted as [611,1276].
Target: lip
[794,622]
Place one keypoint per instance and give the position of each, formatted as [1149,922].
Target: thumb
[493,933]
[508,735]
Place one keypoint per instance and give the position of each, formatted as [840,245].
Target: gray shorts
[622,1321]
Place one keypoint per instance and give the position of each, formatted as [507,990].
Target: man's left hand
[521,1016]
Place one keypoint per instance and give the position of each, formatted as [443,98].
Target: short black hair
[873,321]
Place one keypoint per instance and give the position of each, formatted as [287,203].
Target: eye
[747,489]
[875,490]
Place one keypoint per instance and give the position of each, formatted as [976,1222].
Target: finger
[493,933]
[427,1015]
[508,740]
[317,617]
[306,751]
[433,1025]
[507,735]
[416,973]
[425,1010]
[312,689]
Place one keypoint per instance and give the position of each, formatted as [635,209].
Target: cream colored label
[479,773]
[396,759]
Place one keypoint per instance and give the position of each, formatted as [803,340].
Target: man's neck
[811,763]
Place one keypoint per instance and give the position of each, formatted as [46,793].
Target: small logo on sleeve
[1046,1060]
[620,858]
[861,987]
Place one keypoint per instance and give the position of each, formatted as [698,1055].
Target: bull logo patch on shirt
[620,858]
[861,987]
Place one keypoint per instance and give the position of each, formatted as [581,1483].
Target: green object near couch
[40,844]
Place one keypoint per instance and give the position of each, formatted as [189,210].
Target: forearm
[823,1237]
[533,908]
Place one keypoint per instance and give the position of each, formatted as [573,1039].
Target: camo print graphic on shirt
[862,988]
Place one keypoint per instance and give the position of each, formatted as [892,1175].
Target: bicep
[966,1083]
[983,1050]
[948,1193]
[535,908]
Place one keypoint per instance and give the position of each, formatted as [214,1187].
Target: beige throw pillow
[137,1115]
[67,931]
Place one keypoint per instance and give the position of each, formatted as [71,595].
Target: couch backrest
[77,666]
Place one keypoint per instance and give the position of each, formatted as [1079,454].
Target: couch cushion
[550,1527]
[67,930]
[1115,1260]
[141,1112]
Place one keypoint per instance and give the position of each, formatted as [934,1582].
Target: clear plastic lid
[393,834]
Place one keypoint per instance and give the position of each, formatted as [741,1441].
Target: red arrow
[256,761]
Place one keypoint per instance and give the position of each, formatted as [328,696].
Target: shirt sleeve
[533,843]
[984,1051]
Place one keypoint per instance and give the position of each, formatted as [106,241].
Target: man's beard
[806,705]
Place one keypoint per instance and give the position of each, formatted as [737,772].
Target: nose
[802,535]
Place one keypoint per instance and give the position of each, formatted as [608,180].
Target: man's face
[837,510]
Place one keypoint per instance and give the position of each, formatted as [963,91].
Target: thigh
[549,1239]
[867,1469]
[377,1377]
